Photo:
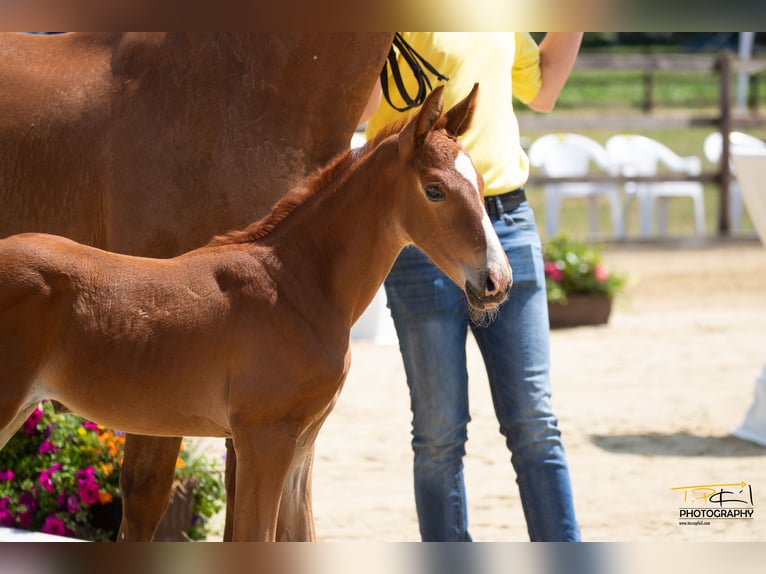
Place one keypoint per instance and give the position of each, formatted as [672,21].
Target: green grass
[626,90]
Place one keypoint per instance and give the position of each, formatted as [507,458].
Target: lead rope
[414,61]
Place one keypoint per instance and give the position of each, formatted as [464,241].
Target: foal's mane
[311,186]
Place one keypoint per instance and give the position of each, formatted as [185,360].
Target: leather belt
[497,205]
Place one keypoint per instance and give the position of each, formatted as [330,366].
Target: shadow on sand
[677,444]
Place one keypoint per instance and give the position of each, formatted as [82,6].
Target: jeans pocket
[526,265]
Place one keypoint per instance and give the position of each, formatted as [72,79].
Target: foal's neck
[345,239]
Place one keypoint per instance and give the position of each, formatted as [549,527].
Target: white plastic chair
[565,155]
[737,141]
[751,169]
[636,155]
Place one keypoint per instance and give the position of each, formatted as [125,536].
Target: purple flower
[30,426]
[54,525]
[27,499]
[25,520]
[72,504]
[47,447]
[6,475]
[6,517]
[90,426]
[88,492]
[4,502]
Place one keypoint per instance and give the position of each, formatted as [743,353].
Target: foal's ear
[460,115]
[419,126]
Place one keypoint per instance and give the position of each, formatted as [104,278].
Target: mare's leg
[146,481]
[263,462]
[231,487]
[296,516]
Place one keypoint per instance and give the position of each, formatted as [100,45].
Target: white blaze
[495,253]
[464,167]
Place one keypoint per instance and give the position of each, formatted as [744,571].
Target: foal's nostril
[497,282]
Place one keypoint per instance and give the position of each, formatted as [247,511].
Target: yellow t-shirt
[504,64]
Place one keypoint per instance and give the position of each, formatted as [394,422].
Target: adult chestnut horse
[247,337]
[152,143]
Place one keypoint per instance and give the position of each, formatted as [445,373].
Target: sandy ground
[646,403]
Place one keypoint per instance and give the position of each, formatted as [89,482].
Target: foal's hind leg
[296,516]
[145,482]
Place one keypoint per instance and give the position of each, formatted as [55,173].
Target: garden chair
[637,155]
[737,141]
[751,169]
[564,155]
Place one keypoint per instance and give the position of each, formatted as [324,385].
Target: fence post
[724,177]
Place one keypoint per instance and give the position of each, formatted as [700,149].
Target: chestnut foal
[247,337]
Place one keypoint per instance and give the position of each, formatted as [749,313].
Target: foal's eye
[434,193]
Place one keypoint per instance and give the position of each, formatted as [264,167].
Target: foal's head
[444,210]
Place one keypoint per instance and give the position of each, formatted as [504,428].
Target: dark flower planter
[175,522]
[179,515]
[580,310]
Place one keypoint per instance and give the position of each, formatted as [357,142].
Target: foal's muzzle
[493,287]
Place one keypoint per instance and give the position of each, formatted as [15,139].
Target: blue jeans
[431,321]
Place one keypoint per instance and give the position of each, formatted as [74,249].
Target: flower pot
[580,310]
[178,517]
[174,525]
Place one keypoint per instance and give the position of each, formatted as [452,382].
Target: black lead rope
[416,62]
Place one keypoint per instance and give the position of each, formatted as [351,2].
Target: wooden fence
[725,66]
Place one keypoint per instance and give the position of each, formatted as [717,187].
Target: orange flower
[104,497]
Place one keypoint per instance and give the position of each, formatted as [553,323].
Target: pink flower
[88,492]
[89,425]
[552,271]
[85,475]
[47,447]
[45,480]
[45,477]
[6,475]
[601,273]
[30,426]
[54,525]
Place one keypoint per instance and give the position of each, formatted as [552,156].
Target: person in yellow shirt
[430,313]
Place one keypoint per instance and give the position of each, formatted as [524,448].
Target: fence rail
[724,119]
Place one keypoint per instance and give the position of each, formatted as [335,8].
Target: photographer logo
[700,504]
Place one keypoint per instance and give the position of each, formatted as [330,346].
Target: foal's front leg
[146,480]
